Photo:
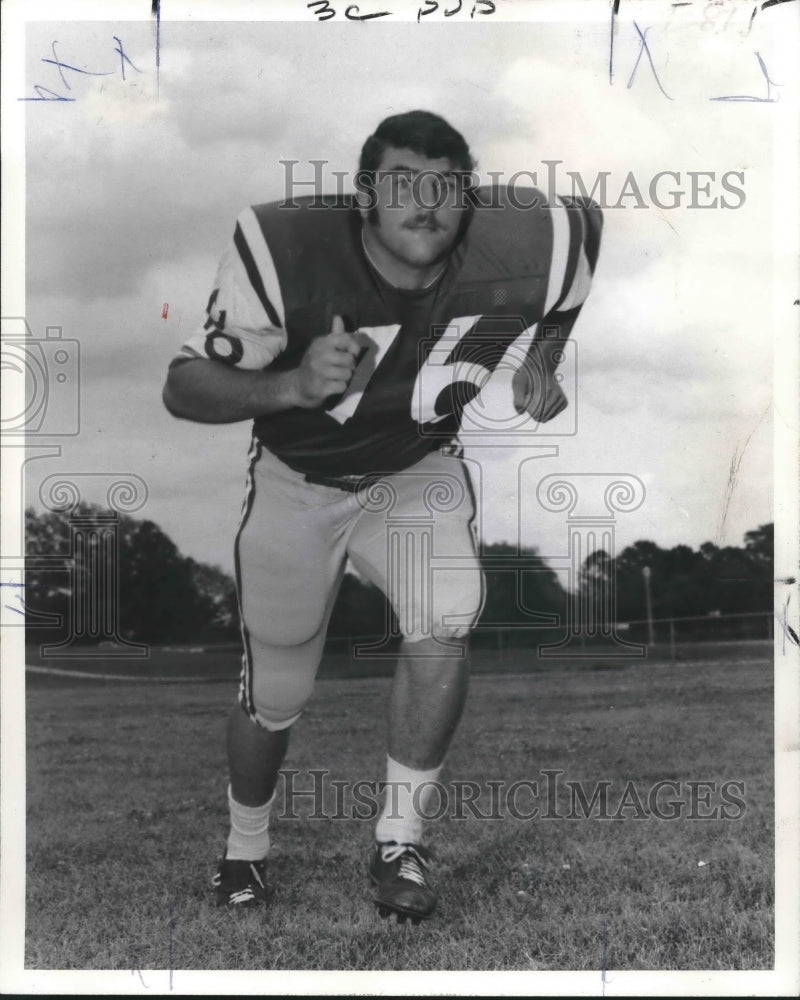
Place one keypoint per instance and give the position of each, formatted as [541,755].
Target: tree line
[164,596]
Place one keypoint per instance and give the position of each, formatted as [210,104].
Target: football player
[353,331]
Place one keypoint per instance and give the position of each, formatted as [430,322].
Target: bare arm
[215,393]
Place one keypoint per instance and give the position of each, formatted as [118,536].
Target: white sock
[248,839]
[405,803]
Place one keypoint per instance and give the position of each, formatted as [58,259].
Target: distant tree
[218,589]
[162,595]
[760,547]
[520,589]
[361,610]
[597,587]
[46,591]
[684,582]
[165,596]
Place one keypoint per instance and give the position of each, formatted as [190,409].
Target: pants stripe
[246,681]
[473,524]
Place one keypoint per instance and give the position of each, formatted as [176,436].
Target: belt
[351,484]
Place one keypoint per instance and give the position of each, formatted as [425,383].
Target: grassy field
[126,815]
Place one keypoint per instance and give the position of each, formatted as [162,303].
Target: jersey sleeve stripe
[581,283]
[560,255]
[254,277]
[576,234]
[260,267]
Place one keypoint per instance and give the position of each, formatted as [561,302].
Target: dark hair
[420,131]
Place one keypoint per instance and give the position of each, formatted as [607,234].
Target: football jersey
[425,354]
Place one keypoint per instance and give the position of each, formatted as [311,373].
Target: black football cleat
[241,885]
[398,871]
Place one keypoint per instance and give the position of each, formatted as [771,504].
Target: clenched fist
[327,366]
[534,385]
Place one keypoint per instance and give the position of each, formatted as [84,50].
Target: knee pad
[286,622]
[274,725]
[439,631]
[457,602]
[277,681]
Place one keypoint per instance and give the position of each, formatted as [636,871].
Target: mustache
[431,224]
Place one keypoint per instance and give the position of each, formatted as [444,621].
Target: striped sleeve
[577,224]
[244,325]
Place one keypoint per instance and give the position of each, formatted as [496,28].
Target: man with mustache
[353,332]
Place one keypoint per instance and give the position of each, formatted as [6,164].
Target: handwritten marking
[165,310]
[61,66]
[123,58]
[353,13]
[156,10]
[45,94]
[171,925]
[604,962]
[644,48]
[614,12]
[786,628]
[10,607]
[752,99]
[764,6]
[135,970]
[324,11]
[43,90]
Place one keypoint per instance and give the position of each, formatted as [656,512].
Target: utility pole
[648,603]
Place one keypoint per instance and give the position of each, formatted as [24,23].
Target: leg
[434,604]
[277,683]
[290,553]
[256,750]
[255,755]
[424,560]
[427,699]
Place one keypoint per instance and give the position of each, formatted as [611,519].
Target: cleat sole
[385,911]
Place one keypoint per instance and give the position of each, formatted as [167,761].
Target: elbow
[173,399]
[168,398]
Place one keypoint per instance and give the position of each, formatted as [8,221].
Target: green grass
[126,814]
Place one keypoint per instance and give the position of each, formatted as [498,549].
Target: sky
[133,186]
